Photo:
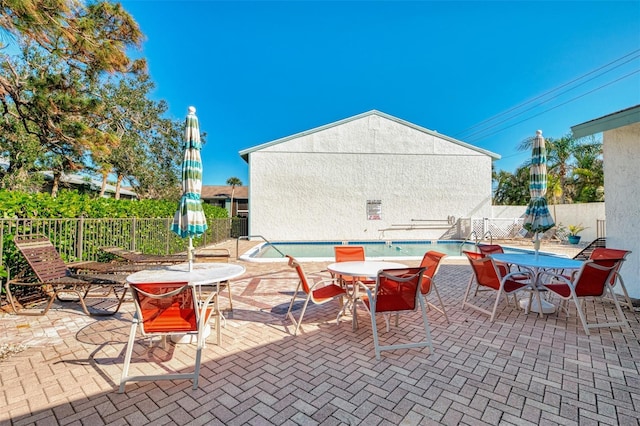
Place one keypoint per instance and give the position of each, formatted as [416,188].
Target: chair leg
[128,353]
[28,312]
[120,299]
[495,306]
[200,346]
[444,312]
[466,293]
[374,328]
[622,318]
[624,291]
[579,308]
[230,299]
[425,321]
[299,322]
[290,315]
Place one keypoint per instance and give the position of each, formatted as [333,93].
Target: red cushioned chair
[504,268]
[165,309]
[396,291]
[487,276]
[601,253]
[347,253]
[431,262]
[318,292]
[591,281]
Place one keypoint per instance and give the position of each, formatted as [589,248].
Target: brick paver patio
[520,370]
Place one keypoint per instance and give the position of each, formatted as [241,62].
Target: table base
[547,308]
[181,339]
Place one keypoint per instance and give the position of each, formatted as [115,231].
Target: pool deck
[519,370]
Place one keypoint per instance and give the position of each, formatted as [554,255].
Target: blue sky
[259,70]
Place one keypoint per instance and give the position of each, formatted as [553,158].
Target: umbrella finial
[192,110]
[538,132]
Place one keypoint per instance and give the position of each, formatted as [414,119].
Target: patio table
[537,263]
[362,268]
[202,274]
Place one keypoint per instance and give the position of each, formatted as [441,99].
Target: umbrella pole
[190,254]
[536,243]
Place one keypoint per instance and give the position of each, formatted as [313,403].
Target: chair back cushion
[592,278]
[484,269]
[301,275]
[42,256]
[488,249]
[166,307]
[347,253]
[602,253]
[608,253]
[397,289]
[430,261]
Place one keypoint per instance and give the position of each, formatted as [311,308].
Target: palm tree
[233,182]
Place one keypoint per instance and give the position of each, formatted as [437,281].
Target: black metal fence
[79,239]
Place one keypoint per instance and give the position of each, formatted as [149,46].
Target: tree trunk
[233,189]
[118,184]
[55,184]
[103,188]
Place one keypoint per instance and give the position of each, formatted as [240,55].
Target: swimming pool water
[378,250]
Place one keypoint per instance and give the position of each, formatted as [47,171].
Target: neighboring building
[367,177]
[86,184]
[221,196]
[621,151]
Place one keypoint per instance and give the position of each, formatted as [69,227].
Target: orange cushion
[327,292]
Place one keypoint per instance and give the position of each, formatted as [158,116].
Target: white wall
[316,186]
[622,191]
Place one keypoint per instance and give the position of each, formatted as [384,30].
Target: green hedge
[71,204]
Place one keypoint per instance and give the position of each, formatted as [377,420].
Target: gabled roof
[245,153]
[223,192]
[611,121]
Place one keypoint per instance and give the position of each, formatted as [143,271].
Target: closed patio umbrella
[537,217]
[189,221]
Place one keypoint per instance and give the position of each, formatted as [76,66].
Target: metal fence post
[133,233]
[79,238]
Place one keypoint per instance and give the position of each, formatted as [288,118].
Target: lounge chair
[137,257]
[54,276]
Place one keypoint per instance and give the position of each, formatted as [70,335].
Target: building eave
[608,122]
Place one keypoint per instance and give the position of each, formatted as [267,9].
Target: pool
[319,251]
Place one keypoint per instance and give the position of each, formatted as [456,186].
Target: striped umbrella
[537,217]
[189,220]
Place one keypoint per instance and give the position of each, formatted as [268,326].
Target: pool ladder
[476,240]
[248,237]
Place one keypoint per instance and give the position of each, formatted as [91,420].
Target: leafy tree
[574,169]
[147,152]
[45,90]
[588,173]
[233,182]
[90,35]
[512,189]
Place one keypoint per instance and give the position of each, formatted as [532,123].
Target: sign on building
[374,210]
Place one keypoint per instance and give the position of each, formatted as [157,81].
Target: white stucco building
[368,177]
[621,151]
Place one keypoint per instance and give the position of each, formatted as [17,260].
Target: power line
[530,108]
[559,105]
[545,94]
